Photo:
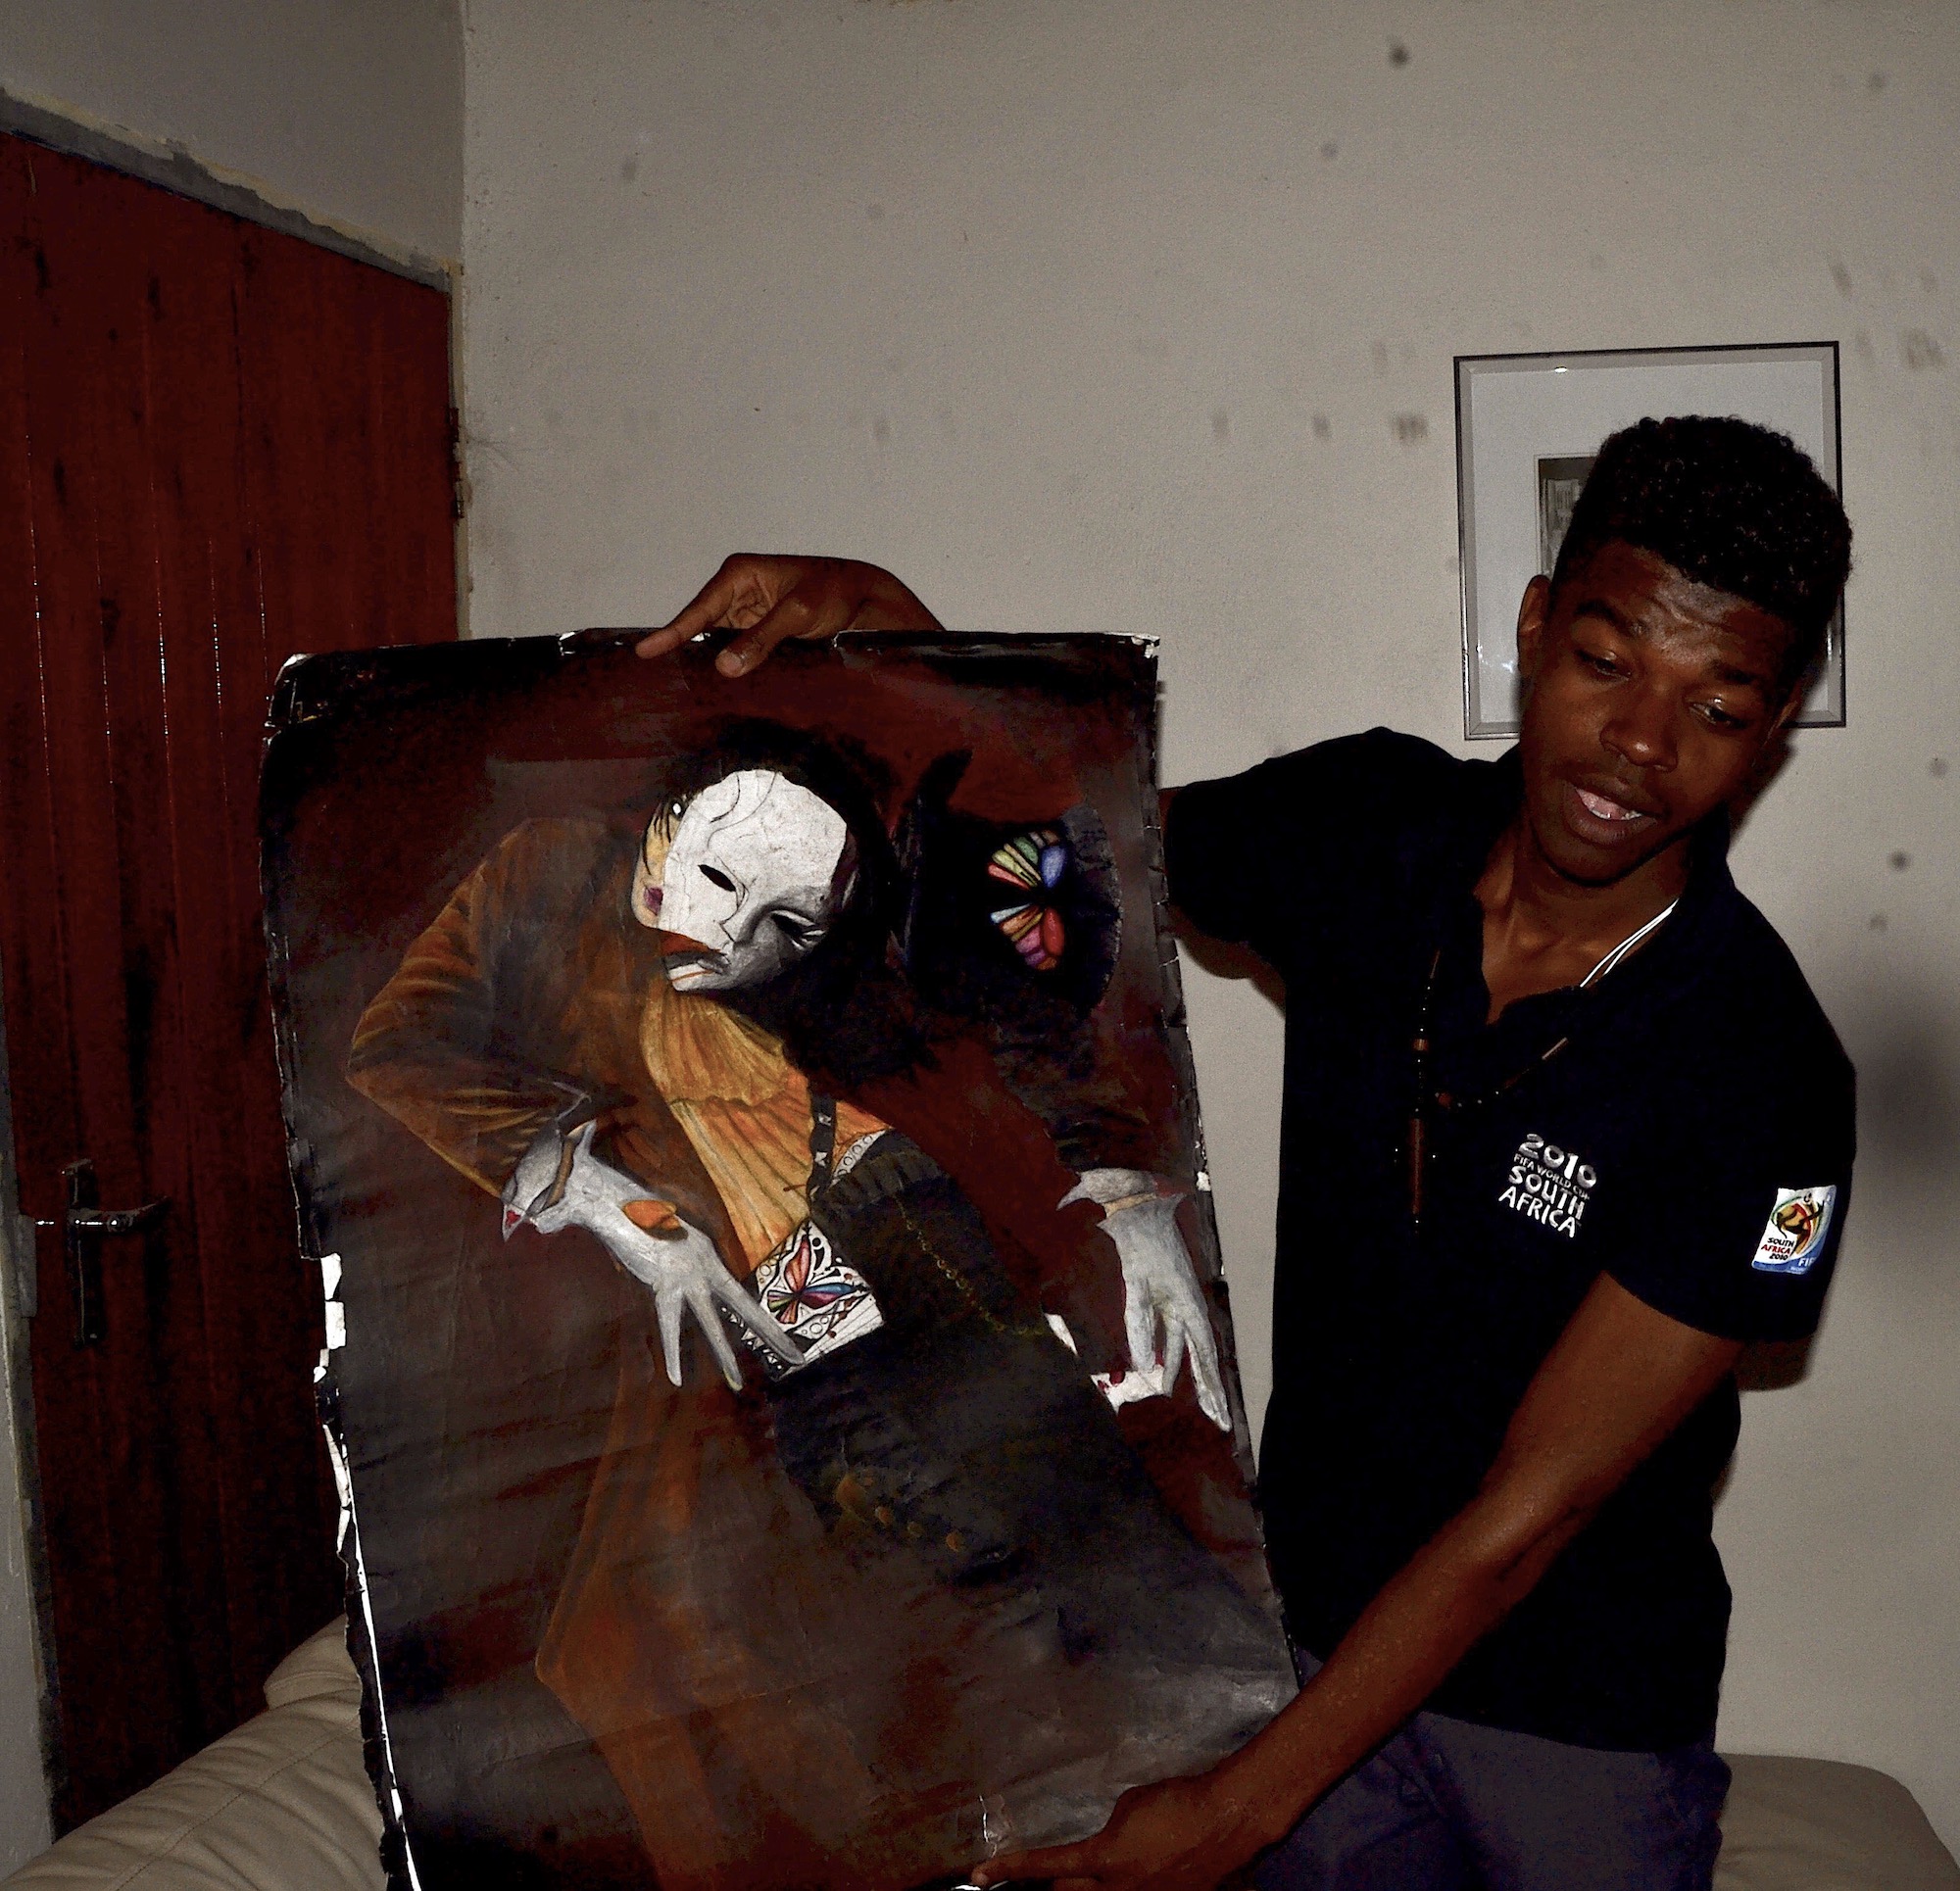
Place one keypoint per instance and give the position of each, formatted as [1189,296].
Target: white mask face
[749,882]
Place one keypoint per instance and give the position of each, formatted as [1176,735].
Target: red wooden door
[219,445]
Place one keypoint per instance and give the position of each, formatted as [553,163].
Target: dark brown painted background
[219,446]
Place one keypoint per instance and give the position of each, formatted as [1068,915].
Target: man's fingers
[707,607]
[657,642]
[816,609]
[1063,1862]
[769,598]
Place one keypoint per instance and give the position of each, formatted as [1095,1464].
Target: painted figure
[884,1586]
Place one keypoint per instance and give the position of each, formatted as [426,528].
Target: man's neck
[1543,931]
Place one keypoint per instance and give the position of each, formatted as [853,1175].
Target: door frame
[26,1719]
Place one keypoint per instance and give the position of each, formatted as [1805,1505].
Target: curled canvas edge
[398,1859]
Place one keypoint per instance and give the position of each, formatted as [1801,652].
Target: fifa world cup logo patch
[1797,1225]
[1550,1185]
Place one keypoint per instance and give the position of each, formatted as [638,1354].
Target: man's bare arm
[1620,1380]
[770,598]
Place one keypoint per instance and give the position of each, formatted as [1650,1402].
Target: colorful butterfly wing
[1033,862]
[815,1297]
[784,1292]
[1032,859]
[1035,932]
[808,1284]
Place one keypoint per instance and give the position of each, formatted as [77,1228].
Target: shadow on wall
[1228,961]
[1906,1043]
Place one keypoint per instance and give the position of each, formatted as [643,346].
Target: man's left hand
[1179,1835]
[770,598]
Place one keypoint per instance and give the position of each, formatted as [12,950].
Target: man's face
[747,884]
[1648,702]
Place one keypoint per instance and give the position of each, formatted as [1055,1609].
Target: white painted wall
[1139,314]
[349,110]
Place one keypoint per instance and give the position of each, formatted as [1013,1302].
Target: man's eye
[1720,718]
[794,929]
[1598,665]
[716,878]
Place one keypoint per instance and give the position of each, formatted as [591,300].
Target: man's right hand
[769,597]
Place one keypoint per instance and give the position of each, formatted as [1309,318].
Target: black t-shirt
[1693,1140]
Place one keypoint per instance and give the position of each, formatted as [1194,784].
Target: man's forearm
[1445,1599]
[1620,1379]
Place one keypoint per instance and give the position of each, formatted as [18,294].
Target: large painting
[778,1368]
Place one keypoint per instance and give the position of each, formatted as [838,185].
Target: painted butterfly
[804,1287]
[821,1301]
[1034,863]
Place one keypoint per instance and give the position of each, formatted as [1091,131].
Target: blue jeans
[1449,1806]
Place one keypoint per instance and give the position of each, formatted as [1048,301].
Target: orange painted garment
[745,1108]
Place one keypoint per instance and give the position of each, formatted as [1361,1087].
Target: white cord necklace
[1626,945]
[1426,1096]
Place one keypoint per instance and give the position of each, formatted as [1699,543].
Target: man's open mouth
[1604,817]
[1600,809]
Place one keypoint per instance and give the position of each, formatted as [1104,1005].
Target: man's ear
[1534,613]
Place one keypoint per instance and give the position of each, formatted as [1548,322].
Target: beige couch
[283,1804]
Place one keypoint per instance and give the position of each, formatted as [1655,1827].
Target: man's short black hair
[1728,503]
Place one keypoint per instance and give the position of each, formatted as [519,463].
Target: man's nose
[1642,730]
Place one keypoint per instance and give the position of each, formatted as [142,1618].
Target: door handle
[85,1227]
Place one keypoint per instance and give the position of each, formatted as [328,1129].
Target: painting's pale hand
[687,1276]
[1162,1298]
[560,1184]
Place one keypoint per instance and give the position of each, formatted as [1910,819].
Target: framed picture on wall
[1527,429]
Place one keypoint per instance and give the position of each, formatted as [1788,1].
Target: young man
[1563,1130]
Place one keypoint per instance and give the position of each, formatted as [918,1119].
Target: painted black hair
[1730,505]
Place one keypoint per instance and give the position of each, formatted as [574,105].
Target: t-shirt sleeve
[1742,1210]
[1250,857]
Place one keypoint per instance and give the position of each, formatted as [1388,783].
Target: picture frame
[1528,426]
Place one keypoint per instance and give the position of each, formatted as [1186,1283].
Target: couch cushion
[1823,1826]
[319,1668]
[281,1804]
